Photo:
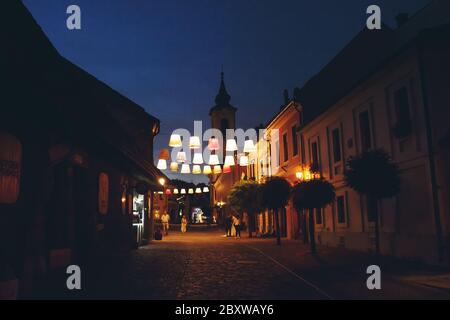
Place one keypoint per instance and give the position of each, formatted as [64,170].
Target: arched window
[10,166]
[103,193]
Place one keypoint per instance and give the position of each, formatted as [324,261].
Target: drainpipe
[430,151]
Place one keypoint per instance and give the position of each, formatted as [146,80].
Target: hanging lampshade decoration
[213,160]
[191,191]
[229,161]
[226,169]
[198,158]
[162,164]
[231,145]
[174,166]
[196,169]
[185,169]
[181,157]
[168,192]
[183,191]
[194,142]
[207,169]
[243,161]
[213,144]
[249,146]
[205,189]
[175,141]
[175,191]
[198,190]
[217,170]
[164,154]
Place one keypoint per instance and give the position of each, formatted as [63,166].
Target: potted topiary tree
[310,195]
[373,174]
[276,194]
[246,197]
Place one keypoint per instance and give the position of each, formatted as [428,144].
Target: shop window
[103,193]
[10,167]
[337,152]
[315,155]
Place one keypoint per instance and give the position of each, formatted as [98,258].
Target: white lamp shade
[181,156]
[183,191]
[231,145]
[249,146]
[217,170]
[162,164]
[196,169]
[175,191]
[229,161]
[198,158]
[175,141]
[194,142]
[205,189]
[214,160]
[243,161]
[191,191]
[185,169]
[207,169]
[198,190]
[174,166]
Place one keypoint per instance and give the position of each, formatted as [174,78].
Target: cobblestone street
[207,265]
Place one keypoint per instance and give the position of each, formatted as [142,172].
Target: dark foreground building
[76,160]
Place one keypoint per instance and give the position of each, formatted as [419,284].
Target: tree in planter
[276,194]
[310,195]
[375,175]
[246,197]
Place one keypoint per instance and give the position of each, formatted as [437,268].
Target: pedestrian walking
[237,226]
[183,224]
[228,225]
[165,218]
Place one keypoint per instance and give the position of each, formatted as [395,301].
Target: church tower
[223,114]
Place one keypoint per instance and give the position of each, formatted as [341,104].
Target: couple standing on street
[165,218]
[233,226]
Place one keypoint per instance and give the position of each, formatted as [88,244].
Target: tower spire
[222,98]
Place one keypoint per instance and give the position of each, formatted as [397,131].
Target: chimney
[401,19]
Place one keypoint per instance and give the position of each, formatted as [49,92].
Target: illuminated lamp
[213,144]
[191,191]
[198,158]
[175,191]
[164,154]
[231,145]
[207,169]
[162,164]
[198,190]
[175,141]
[243,161]
[183,191]
[185,169]
[181,157]
[217,169]
[226,169]
[205,189]
[229,161]
[174,166]
[194,142]
[249,146]
[213,160]
[196,169]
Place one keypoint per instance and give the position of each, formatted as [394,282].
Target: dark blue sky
[166,55]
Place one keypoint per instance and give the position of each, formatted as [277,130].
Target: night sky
[167,55]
